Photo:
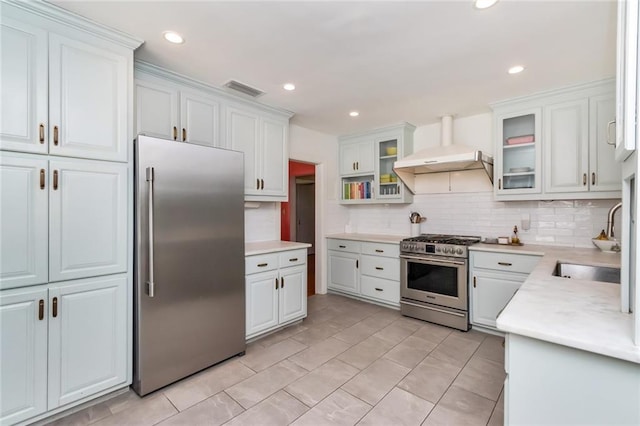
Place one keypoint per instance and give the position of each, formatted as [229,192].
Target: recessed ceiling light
[354,113]
[289,86]
[484,4]
[173,37]
[516,69]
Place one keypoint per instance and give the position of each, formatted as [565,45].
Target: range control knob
[459,251]
[446,250]
[437,249]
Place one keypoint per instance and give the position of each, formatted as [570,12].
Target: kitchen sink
[587,272]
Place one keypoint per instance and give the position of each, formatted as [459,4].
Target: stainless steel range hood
[444,158]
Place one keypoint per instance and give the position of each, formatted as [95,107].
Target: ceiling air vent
[243,88]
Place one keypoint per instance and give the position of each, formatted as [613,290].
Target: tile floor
[348,363]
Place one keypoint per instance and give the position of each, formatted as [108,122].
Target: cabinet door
[566,146]
[87,101]
[348,153]
[490,294]
[275,155]
[343,272]
[156,110]
[200,118]
[242,135]
[518,161]
[23,66]
[23,220]
[88,219]
[293,293]
[23,350]
[605,174]
[627,78]
[262,302]
[87,337]
[365,163]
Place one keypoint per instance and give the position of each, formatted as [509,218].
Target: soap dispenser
[514,238]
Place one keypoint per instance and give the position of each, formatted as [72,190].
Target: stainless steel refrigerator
[189,309]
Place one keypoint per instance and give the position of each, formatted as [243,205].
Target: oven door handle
[433,261]
[432,308]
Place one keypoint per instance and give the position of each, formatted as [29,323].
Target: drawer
[505,262]
[377,288]
[381,267]
[344,245]
[293,258]
[381,249]
[261,263]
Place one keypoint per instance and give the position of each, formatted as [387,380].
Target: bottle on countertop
[514,237]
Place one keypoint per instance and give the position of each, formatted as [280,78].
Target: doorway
[297,220]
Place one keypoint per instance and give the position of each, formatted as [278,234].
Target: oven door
[438,280]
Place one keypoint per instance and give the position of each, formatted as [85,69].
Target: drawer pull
[41,178]
[55,307]
[378,289]
[55,180]
[41,310]
[342,246]
[379,251]
[379,268]
[295,259]
[55,135]
[282,282]
[41,131]
[262,265]
[175,133]
[276,283]
[184,134]
[504,263]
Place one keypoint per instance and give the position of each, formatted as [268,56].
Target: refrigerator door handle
[150,284]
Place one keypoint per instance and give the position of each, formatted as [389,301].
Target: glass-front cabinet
[518,158]
[364,182]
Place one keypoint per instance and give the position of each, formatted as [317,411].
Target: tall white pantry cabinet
[66,210]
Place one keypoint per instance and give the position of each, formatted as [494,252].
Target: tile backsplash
[568,223]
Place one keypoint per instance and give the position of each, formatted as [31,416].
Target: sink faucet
[610,224]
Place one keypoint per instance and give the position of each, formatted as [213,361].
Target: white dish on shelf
[520,169]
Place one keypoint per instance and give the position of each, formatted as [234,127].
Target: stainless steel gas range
[433,278]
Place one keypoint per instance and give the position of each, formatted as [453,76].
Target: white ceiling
[392,61]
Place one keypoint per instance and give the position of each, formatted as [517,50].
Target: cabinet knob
[261,183]
[282,282]
[584,179]
[55,135]
[55,180]
[276,283]
[474,282]
[184,134]
[41,132]
[41,178]
[41,309]
[593,178]
[175,133]
[257,183]
[357,165]
[54,311]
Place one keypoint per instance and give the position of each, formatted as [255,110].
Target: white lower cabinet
[365,269]
[573,386]
[493,279]
[276,290]
[23,351]
[61,343]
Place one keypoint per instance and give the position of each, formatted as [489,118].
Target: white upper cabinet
[23,220]
[23,66]
[87,100]
[566,147]
[156,110]
[88,221]
[357,157]
[605,172]
[242,135]
[23,350]
[274,158]
[557,145]
[264,141]
[627,78]
[87,338]
[62,96]
[200,119]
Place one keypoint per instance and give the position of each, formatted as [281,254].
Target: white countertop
[577,313]
[374,238]
[262,247]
